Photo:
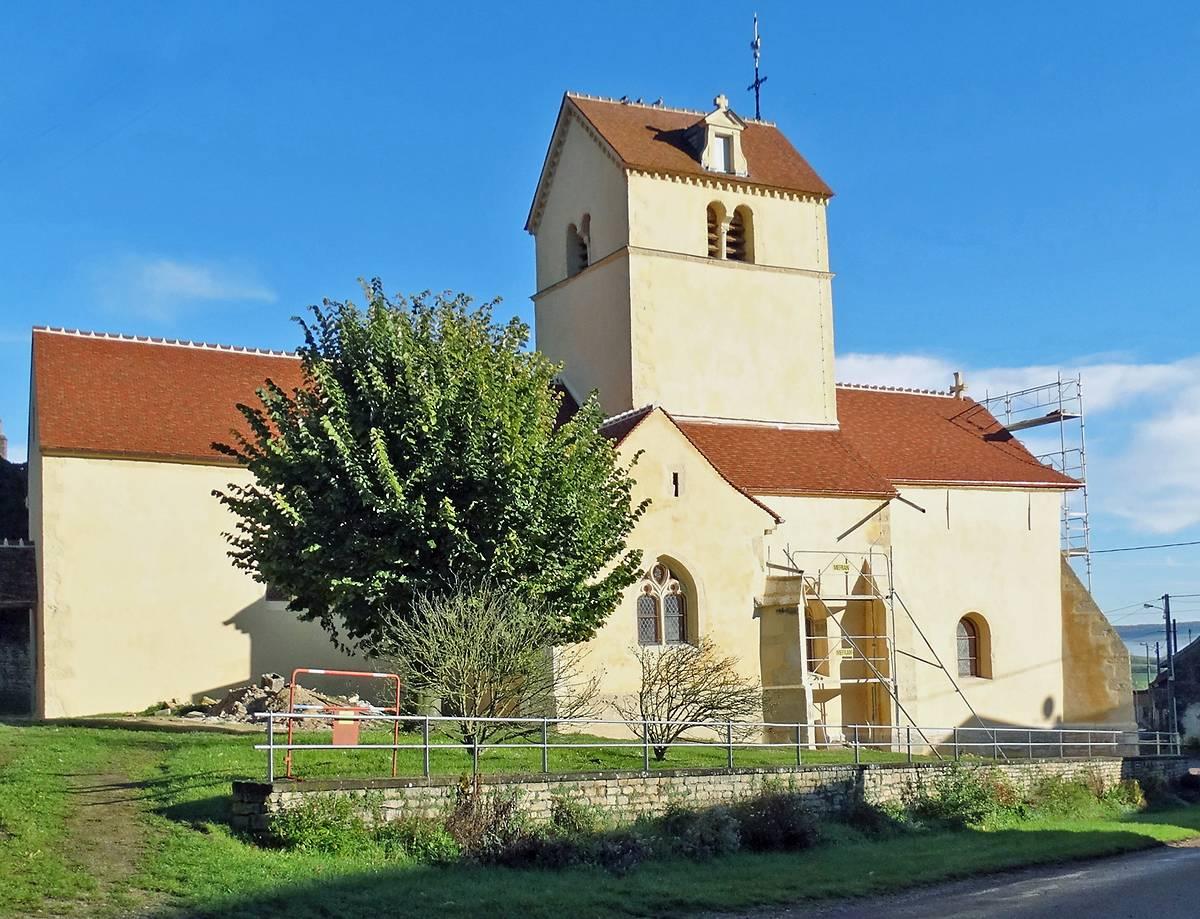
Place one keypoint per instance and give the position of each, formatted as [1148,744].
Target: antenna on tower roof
[756,47]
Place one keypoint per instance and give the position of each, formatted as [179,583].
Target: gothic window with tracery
[662,609]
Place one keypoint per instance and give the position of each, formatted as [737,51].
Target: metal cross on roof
[756,47]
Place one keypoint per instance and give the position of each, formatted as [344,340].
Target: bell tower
[682,260]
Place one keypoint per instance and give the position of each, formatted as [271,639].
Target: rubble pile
[243,703]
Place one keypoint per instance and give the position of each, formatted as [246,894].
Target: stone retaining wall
[826,789]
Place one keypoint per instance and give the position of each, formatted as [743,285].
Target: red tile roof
[111,396]
[618,427]
[919,438]
[786,461]
[886,439]
[621,426]
[652,138]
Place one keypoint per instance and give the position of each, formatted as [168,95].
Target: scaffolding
[1060,404]
[833,580]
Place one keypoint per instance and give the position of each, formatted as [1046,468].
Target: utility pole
[1174,719]
[1146,658]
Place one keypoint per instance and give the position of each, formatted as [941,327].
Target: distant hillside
[1134,635]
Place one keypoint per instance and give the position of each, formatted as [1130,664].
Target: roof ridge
[911,390]
[628,413]
[172,342]
[572,94]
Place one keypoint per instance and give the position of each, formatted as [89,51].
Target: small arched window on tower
[739,238]
[716,230]
[974,639]
[577,246]
[662,608]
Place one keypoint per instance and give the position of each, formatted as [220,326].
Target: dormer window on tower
[717,140]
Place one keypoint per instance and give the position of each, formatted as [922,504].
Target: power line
[1118,609]
[1165,545]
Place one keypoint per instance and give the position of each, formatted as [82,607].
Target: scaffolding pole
[1059,403]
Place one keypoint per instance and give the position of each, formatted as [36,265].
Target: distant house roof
[18,575]
[652,138]
[140,397]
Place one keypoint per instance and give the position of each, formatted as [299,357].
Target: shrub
[621,851]
[574,817]
[876,821]
[964,796]
[1127,794]
[485,825]
[1159,793]
[618,851]
[1053,794]
[776,821]
[323,824]
[708,833]
[1189,787]
[426,841]
[540,848]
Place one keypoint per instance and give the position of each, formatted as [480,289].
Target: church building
[870,556]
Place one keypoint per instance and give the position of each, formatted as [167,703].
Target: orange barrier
[345,732]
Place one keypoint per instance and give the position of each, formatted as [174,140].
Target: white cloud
[1144,425]
[159,287]
[17,453]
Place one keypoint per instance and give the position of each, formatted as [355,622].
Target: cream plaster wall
[583,323]
[652,318]
[721,339]
[669,214]
[139,601]
[994,552]
[587,180]
[712,532]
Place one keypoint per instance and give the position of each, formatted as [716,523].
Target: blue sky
[1017,187]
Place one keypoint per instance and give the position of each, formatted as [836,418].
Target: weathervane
[756,47]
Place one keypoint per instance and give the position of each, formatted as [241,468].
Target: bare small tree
[486,652]
[683,685]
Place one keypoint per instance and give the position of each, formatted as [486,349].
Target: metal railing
[859,742]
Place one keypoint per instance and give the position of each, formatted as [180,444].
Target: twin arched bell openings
[579,241]
[730,236]
[666,608]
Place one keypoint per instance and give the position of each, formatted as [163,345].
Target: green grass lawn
[169,795]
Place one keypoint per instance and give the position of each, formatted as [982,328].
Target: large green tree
[421,450]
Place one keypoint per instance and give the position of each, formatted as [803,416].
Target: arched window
[577,247]
[716,217]
[810,642]
[739,238]
[647,620]
[662,608]
[968,648]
